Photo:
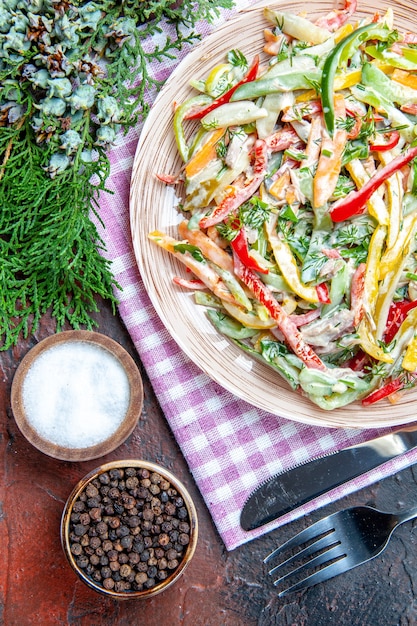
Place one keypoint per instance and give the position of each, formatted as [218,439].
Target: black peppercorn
[104,478]
[95,542]
[76,549]
[102,528]
[80,529]
[127,542]
[129,529]
[108,583]
[106,572]
[91,490]
[79,506]
[182,513]
[82,561]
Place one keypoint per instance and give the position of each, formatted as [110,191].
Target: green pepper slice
[332,63]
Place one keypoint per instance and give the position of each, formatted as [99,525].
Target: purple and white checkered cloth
[230,446]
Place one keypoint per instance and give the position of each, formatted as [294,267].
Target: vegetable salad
[300,203]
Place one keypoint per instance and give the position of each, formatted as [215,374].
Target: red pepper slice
[225,98]
[240,247]
[392,138]
[358,362]
[290,331]
[238,196]
[384,392]
[396,315]
[323,293]
[355,202]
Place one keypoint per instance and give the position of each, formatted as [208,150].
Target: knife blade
[288,490]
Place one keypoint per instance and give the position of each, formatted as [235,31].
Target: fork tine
[332,570]
[324,542]
[316,529]
[334,552]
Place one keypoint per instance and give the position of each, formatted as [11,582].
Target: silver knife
[290,489]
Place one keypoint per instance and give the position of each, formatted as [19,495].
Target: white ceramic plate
[152,207]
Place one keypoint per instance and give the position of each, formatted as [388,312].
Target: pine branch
[71,76]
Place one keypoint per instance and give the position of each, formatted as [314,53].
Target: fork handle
[405,516]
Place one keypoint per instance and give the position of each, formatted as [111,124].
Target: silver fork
[335,544]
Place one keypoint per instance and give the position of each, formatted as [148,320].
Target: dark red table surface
[219,588]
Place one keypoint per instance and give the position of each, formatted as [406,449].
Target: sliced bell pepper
[410,357]
[397,314]
[208,247]
[290,331]
[394,192]
[249,318]
[405,78]
[392,137]
[228,326]
[384,392]
[240,247]
[376,205]
[331,66]
[323,293]
[236,196]
[179,117]
[358,362]
[357,292]
[225,98]
[203,156]
[288,265]
[369,345]
[201,269]
[330,160]
[354,203]
[392,257]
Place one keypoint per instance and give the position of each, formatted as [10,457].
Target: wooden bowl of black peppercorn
[129,529]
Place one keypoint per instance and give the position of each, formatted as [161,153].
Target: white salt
[76,394]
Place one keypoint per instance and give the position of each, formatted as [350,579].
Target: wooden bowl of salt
[77,395]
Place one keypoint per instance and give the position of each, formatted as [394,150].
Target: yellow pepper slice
[394,194]
[405,78]
[342,32]
[368,344]
[410,358]
[406,339]
[206,154]
[393,256]
[367,326]
[376,205]
[247,318]
[215,83]
[347,79]
[371,274]
[386,293]
[288,265]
